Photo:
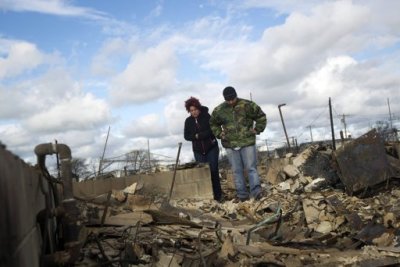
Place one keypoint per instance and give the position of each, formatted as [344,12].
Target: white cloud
[149,75]
[25,98]
[106,61]
[358,90]
[17,57]
[325,82]
[78,112]
[287,52]
[347,50]
[175,114]
[13,135]
[283,6]
[150,125]
[55,7]
[156,12]
[11,104]
[85,143]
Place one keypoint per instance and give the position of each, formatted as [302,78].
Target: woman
[205,146]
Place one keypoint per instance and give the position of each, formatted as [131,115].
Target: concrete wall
[189,183]
[22,190]
[21,199]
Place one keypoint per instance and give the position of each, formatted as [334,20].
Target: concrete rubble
[317,211]
[308,217]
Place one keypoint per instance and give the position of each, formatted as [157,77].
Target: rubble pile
[308,216]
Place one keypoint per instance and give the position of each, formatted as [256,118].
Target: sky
[71,70]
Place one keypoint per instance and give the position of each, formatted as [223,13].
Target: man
[237,122]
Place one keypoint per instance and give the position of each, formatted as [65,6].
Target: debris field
[320,208]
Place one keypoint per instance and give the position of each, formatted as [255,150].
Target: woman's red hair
[192,102]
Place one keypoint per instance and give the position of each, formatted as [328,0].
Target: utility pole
[283,123]
[104,151]
[148,154]
[343,120]
[294,144]
[390,115]
[333,132]
[266,144]
[310,126]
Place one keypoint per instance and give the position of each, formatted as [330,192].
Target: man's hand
[253,131]
[222,135]
[196,136]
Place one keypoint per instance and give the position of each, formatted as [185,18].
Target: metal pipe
[65,157]
[274,218]
[176,166]
[103,218]
[283,123]
[70,226]
[58,163]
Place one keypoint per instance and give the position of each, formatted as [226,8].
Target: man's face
[231,102]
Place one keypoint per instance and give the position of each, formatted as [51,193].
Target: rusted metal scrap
[351,216]
[272,219]
[363,162]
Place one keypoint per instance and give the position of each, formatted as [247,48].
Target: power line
[319,115]
[346,120]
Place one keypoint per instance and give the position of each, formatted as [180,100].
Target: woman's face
[194,112]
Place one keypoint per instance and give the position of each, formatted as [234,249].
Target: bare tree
[79,168]
[387,133]
[138,160]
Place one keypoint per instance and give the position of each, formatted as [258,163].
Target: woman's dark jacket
[206,140]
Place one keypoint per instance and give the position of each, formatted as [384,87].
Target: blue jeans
[245,159]
[212,158]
